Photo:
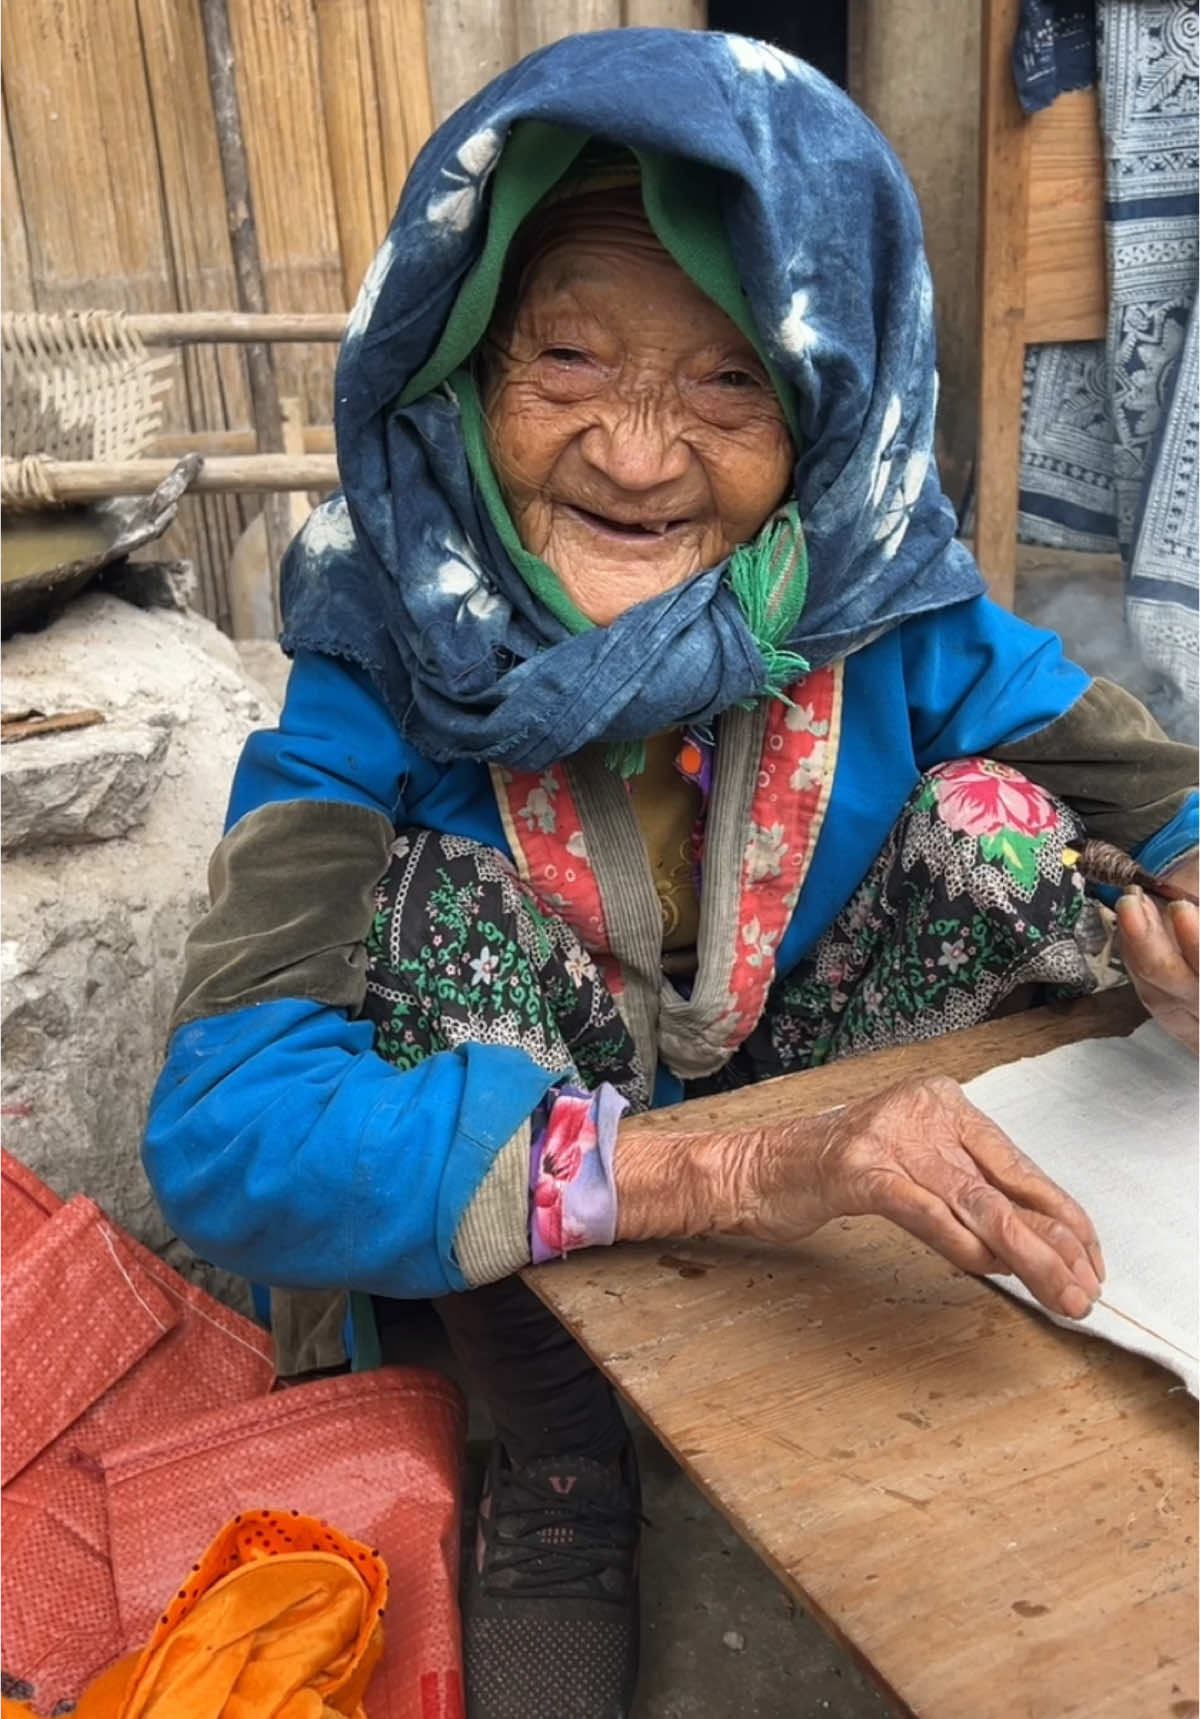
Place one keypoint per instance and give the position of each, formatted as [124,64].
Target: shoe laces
[528,1520]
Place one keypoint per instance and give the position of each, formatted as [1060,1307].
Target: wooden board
[401,56]
[1003,232]
[665,14]
[350,103]
[996,1517]
[1043,273]
[17,279]
[279,94]
[83,139]
[1066,280]
[543,21]
[214,389]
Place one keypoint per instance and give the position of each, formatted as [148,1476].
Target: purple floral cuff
[574,1198]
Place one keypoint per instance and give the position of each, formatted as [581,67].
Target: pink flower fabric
[979,797]
[573,1197]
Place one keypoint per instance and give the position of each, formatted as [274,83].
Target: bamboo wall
[112,190]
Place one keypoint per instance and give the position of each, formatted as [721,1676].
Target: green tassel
[769,578]
[626,758]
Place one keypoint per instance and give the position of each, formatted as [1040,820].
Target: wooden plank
[914,66]
[350,103]
[961,1055]
[542,21]
[84,146]
[995,1516]
[215,382]
[1004,172]
[470,42]
[291,178]
[17,277]
[400,51]
[666,14]
[1066,275]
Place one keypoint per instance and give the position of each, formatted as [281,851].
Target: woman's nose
[637,445]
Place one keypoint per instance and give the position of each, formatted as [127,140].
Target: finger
[925,1215]
[1149,948]
[1046,1255]
[1008,1169]
[1184,921]
[987,1225]
[1077,1258]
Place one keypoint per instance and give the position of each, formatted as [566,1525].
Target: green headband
[682,204]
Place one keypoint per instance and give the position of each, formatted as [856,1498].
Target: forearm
[674,1181]
[917,1153]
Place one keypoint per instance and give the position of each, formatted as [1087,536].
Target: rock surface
[113,826]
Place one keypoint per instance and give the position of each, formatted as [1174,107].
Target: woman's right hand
[919,1154]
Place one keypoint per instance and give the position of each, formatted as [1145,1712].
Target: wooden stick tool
[1101,862]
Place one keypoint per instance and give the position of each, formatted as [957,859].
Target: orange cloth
[280,1619]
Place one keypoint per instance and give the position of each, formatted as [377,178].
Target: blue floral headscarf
[403,572]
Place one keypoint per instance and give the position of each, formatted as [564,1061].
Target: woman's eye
[565,355]
[737,379]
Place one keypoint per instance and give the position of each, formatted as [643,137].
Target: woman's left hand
[1160,946]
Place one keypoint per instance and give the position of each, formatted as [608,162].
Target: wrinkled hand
[923,1156]
[1159,946]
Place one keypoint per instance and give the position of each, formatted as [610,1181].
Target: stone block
[86,786]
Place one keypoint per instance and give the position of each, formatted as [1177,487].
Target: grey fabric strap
[689,1034]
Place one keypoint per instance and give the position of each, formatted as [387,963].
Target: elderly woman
[647,729]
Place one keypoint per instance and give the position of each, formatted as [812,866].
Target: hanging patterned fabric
[1109,449]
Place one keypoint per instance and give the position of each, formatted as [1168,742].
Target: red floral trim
[795,776]
[791,796]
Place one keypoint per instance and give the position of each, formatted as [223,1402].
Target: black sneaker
[550,1611]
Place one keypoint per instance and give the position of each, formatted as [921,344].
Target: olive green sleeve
[1109,759]
[292,890]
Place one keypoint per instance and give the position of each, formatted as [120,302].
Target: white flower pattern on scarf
[760,59]
[370,289]
[328,530]
[455,209]
[796,332]
[899,478]
[461,575]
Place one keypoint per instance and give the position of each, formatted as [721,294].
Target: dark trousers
[544,1395]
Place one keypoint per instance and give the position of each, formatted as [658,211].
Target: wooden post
[264,397]
[1004,198]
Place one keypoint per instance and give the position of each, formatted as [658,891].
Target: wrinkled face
[634,430]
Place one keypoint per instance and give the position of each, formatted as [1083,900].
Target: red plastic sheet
[375,1453]
[137,1419]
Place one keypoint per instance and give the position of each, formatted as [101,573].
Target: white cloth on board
[1114,1122]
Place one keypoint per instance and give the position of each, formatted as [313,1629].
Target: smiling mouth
[637,530]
